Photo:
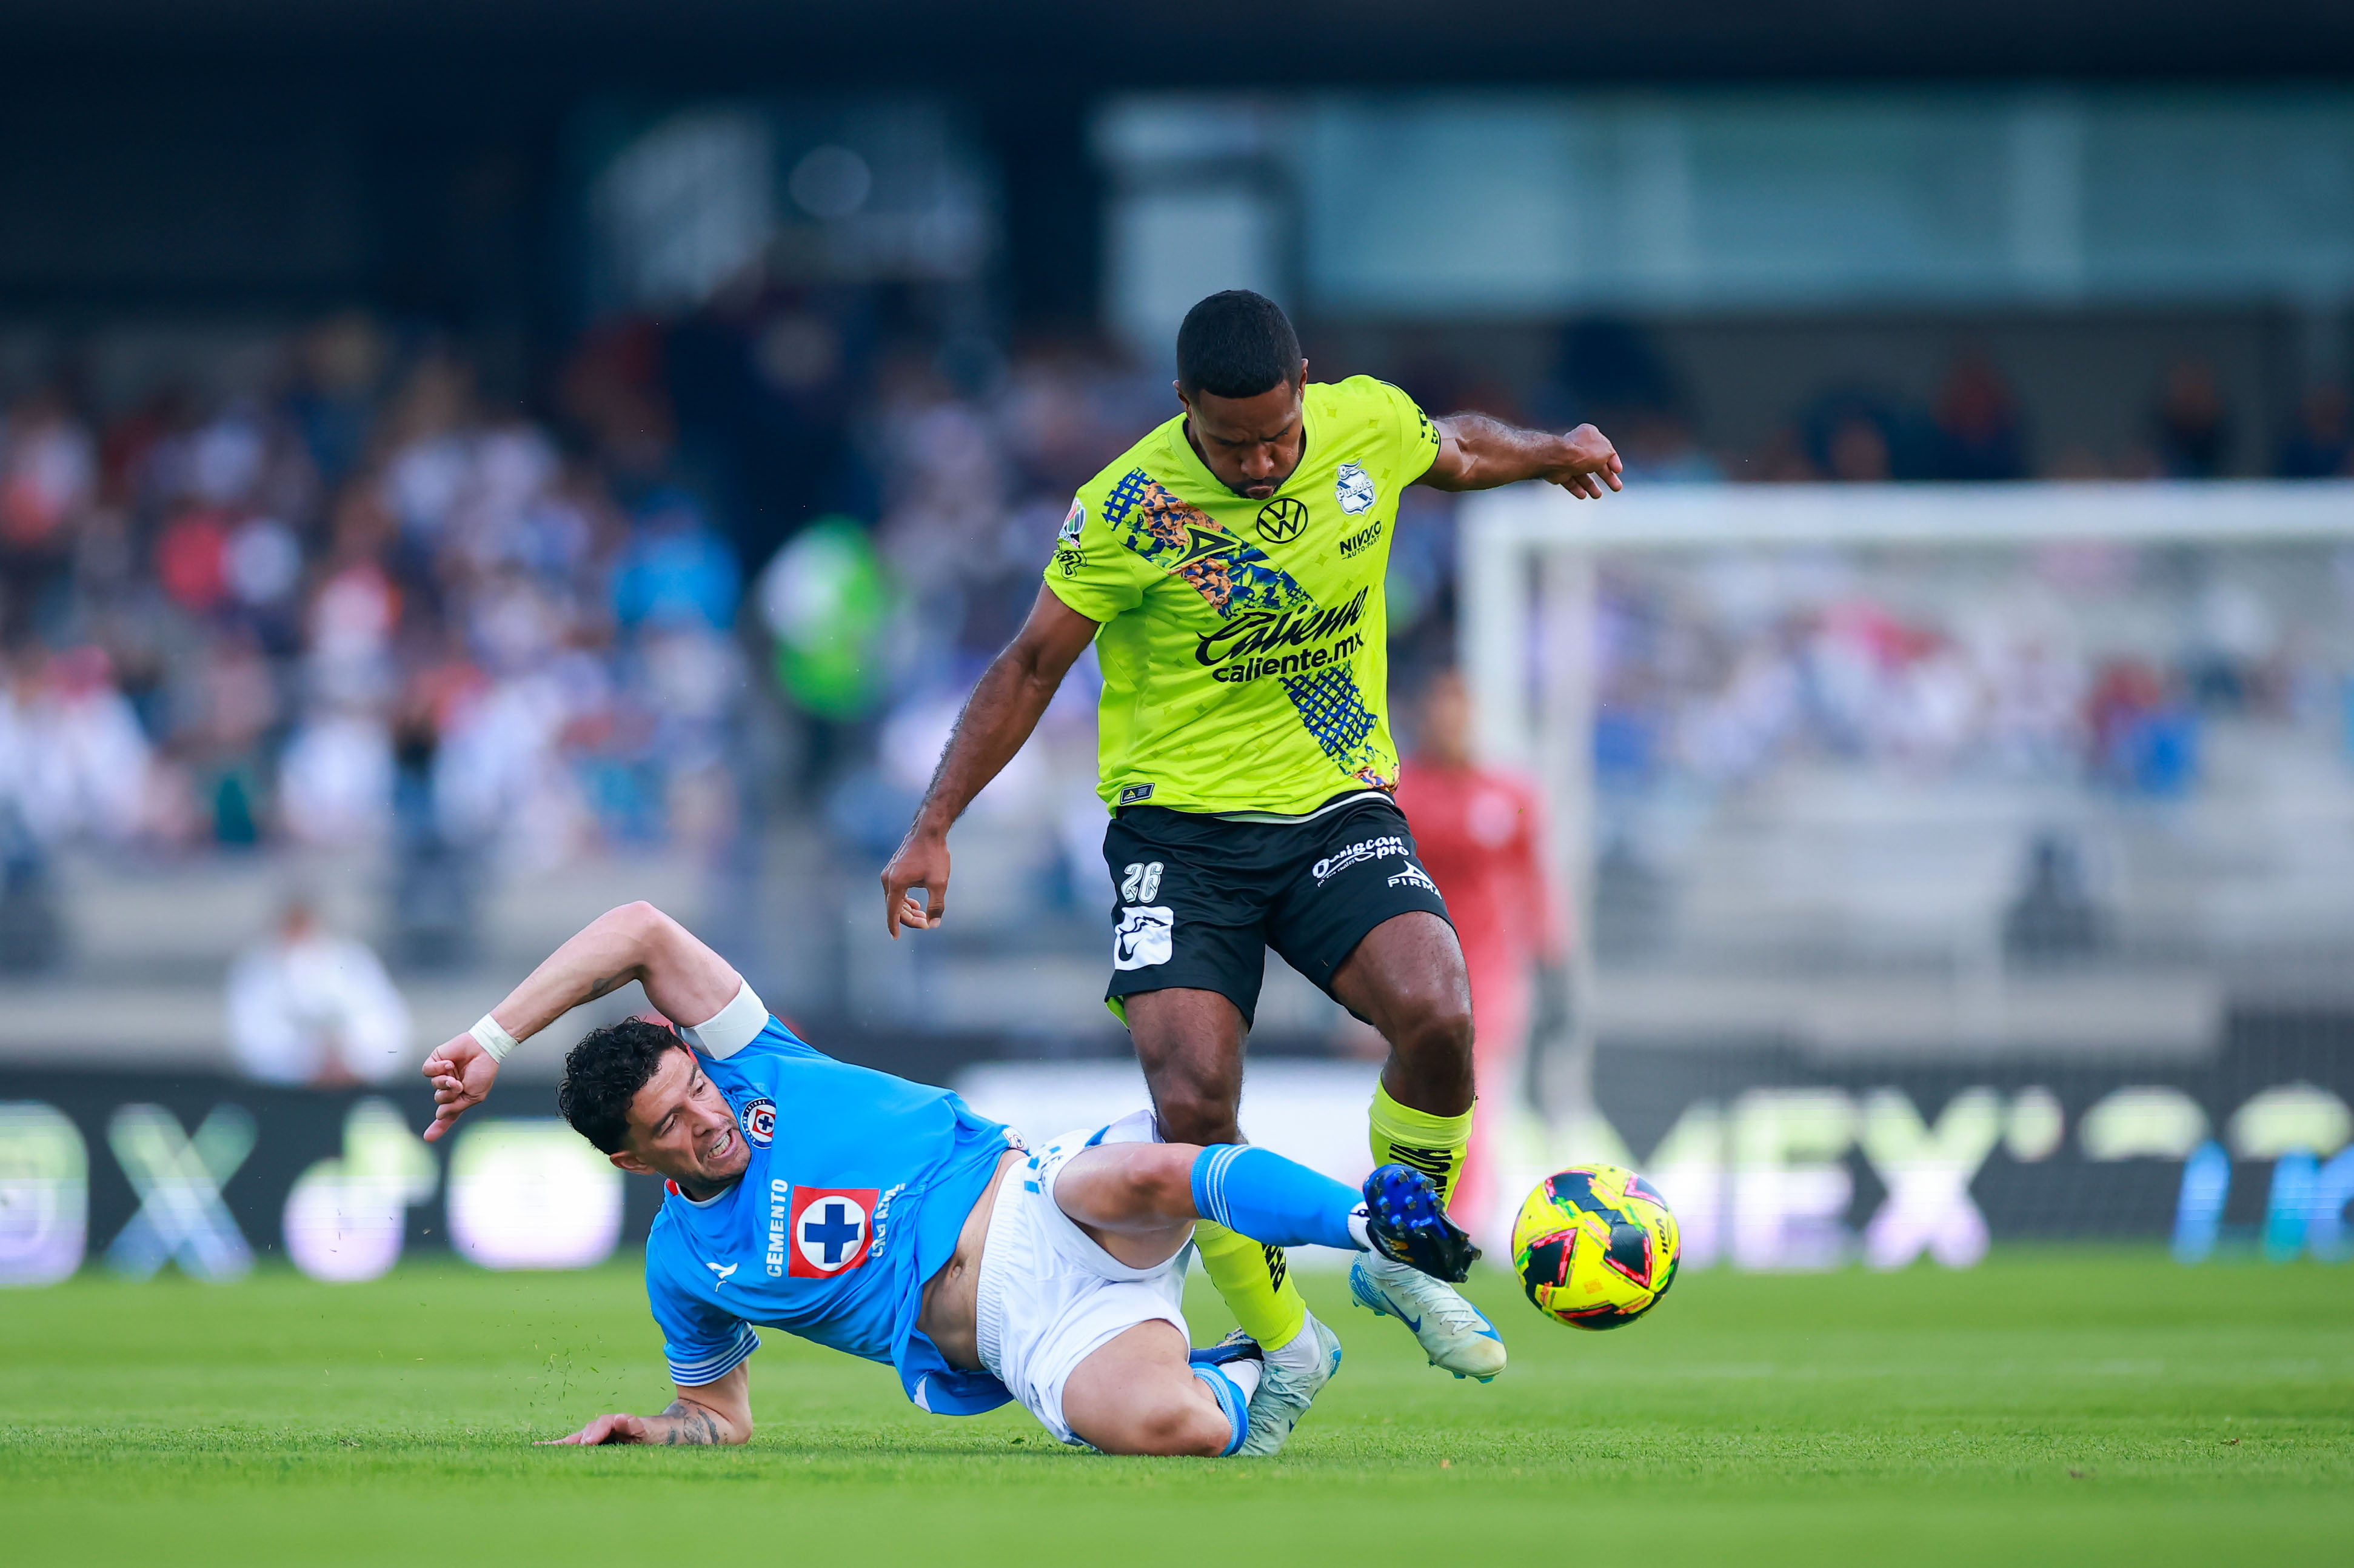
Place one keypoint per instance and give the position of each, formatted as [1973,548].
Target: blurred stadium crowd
[359,603]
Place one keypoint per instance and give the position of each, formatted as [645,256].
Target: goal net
[1950,862]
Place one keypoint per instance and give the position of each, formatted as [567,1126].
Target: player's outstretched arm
[1476,452]
[708,1415]
[684,980]
[997,718]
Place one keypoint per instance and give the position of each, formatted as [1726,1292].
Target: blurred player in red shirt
[1481,835]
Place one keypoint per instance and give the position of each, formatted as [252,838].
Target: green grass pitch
[2052,1406]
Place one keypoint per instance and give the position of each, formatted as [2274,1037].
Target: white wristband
[492,1038]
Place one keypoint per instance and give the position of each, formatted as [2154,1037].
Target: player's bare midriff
[952,1314]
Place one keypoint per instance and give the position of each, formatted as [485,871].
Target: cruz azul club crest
[829,1230]
[1353,489]
[759,1122]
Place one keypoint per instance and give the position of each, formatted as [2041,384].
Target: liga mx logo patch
[829,1230]
[759,1122]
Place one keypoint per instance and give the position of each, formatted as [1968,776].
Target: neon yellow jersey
[1245,646]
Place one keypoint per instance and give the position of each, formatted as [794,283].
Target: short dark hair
[1236,343]
[604,1072]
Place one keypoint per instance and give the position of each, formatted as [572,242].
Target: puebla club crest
[1353,489]
[1280,519]
[759,1122]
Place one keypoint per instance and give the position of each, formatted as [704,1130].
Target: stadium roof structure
[1085,49]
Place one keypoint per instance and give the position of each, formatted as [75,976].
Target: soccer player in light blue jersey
[882,1218]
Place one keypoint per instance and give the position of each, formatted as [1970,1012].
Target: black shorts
[1197,900]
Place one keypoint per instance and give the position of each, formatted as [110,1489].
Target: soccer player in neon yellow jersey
[1228,568]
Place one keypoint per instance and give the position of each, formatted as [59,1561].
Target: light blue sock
[1274,1200]
[1231,1401]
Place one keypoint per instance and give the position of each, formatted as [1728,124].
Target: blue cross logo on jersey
[832,1228]
[835,1234]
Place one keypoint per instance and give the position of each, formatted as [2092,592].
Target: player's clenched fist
[462,1072]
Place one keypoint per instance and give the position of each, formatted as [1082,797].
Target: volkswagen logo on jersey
[1280,519]
[1353,488]
[759,1122]
[828,1230]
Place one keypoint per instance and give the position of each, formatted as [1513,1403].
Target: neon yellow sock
[1433,1145]
[1253,1282]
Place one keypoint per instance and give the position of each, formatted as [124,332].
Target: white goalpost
[1543,584]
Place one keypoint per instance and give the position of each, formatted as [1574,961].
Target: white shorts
[1049,1297]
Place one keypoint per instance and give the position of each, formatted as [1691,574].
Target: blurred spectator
[2318,448]
[334,780]
[229,706]
[2053,918]
[192,561]
[827,601]
[339,364]
[1658,448]
[432,897]
[1856,450]
[1783,460]
[612,389]
[308,1007]
[2145,739]
[675,571]
[47,480]
[31,815]
[73,760]
[32,929]
[47,471]
[1979,435]
[2193,430]
[1854,437]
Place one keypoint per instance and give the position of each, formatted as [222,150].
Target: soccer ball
[1595,1246]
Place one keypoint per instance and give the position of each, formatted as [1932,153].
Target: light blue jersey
[858,1186]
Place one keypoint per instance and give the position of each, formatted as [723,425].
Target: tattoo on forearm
[691,1426]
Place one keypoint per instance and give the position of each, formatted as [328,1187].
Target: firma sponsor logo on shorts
[1357,854]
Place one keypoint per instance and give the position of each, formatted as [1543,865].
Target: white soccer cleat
[1284,1394]
[1454,1335]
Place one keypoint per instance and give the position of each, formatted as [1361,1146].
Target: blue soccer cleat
[1235,1347]
[1407,1225]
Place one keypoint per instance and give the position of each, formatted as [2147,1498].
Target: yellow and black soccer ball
[1595,1246]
